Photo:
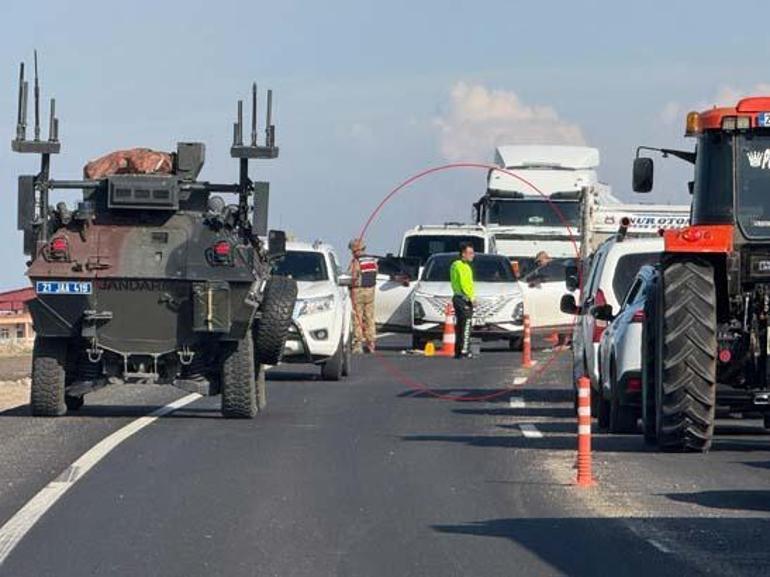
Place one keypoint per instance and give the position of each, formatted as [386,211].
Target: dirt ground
[14,380]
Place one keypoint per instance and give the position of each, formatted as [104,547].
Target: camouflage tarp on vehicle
[132,161]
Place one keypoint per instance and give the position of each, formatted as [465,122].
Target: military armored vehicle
[152,277]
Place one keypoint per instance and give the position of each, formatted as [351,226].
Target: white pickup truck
[396,282]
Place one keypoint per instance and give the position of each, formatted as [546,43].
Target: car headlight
[419,312]
[313,305]
[518,312]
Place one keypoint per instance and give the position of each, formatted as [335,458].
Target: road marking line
[519,380]
[25,518]
[530,431]
[516,402]
[659,546]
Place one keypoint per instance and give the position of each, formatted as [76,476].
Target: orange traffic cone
[448,344]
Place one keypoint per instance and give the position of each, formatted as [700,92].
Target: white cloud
[725,95]
[479,119]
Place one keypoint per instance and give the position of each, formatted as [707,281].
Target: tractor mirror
[602,312]
[571,276]
[568,306]
[276,244]
[643,171]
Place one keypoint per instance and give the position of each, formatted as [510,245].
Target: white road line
[25,518]
[530,431]
[516,403]
[519,380]
[659,546]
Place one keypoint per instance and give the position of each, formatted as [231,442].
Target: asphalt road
[413,467]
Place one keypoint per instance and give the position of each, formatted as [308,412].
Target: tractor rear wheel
[649,355]
[685,387]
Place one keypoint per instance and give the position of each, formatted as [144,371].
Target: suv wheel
[331,370]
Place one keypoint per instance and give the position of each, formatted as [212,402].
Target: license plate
[56,287]
[479,321]
[763,119]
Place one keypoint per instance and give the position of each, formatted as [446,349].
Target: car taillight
[59,248]
[221,252]
[638,317]
[599,325]
[634,385]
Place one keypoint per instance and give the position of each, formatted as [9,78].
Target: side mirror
[26,212]
[643,172]
[602,312]
[276,244]
[572,277]
[515,268]
[345,280]
[568,306]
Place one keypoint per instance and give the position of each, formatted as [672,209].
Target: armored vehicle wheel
[49,361]
[685,387]
[261,388]
[331,370]
[622,417]
[272,328]
[239,388]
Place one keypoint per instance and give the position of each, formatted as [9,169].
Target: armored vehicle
[152,277]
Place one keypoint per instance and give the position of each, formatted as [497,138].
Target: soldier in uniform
[363,272]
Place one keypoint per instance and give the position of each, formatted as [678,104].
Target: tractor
[706,328]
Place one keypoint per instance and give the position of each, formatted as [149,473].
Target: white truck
[556,204]
[397,274]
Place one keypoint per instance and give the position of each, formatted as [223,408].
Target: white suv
[321,326]
[608,275]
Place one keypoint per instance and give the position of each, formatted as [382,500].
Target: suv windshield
[423,246]
[533,212]
[486,268]
[302,266]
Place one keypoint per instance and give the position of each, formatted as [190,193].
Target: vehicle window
[627,268]
[423,246]
[551,272]
[633,292]
[486,268]
[306,266]
[534,212]
[597,260]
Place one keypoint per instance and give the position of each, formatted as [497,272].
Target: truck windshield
[305,266]
[533,212]
[753,184]
[486,268]
[422,246]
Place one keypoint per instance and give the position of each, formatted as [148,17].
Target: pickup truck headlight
[518,312]
[313,305]
[419,312]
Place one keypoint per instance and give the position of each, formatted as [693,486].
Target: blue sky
[368,93]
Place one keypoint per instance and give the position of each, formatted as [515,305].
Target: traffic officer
[363,272]
[461,277]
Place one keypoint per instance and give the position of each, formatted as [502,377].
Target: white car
[392,303]
[542,289]
[609,273]
[321,331]
[620,357]
[499,310]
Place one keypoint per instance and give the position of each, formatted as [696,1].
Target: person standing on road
[461,278]
[363,273]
